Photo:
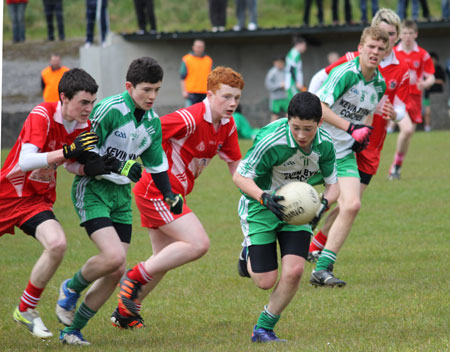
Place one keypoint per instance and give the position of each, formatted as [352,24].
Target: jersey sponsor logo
[351,111]
[121,154]
[120,134]
[300,175]
[201,147]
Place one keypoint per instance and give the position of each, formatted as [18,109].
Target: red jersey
[43,128]
[396,75]
[190,141]
[418,61]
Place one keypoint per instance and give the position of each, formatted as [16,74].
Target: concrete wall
[249,53]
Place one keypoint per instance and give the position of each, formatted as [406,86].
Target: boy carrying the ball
[290,149]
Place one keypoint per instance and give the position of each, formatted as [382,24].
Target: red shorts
[368,161]
[155,212]
[16,211]
[414,108]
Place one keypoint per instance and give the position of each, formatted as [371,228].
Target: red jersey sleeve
[181,123]
[36,127]
[428,66]
[403,89]
[347,57]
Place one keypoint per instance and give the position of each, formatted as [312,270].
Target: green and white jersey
[293,72]
[123,137]
[348,94]
[276,159]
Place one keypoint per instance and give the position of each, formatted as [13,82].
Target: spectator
[402,9]
[437,87]
[445,10]
[319,12]
[244,129]
[274,82]
[218,14]
[363,7]
[50,77]
[294,68]
[241,8]
[16,9]
[54,7]
[348,12]
[194,71]
[447,71]
[332,57]
[91,12]
[144,9]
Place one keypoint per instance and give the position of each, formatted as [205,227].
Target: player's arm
[162,182]
[427,82]
[331,192]
[232,166]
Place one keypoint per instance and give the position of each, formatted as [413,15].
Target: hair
[305,106]
[389,17]
[376,33]
[298,40]
[434,55]
[224,75]
[410,24]
[144,69]
[76,80]
[279,58]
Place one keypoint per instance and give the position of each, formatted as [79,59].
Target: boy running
[421,77]
[127,129]
[292,148]
[52,134]
[192,136]
[396,75]
[350,94]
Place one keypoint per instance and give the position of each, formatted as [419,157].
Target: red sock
[398,160]
[30,297]
[318,242]
[139,274]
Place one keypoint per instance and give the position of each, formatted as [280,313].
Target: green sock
[267,320]
[82,316]
[326,258]
[78,282]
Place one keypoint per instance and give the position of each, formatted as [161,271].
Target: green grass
[177,15]
[395,263]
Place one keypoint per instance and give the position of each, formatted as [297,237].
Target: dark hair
[279,58]
[305,106]
[144,69]
[434,55]
[298,40]
[76,80]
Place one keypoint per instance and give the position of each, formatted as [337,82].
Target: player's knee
[351,207]
[115,260]
[117,274]
[201,246]
[57,248]
[293,273]
[265,282]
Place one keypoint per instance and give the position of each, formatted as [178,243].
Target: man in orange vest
[50,77]
[194,71]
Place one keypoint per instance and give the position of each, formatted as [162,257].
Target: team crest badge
[201,147]
[416,64]
[392,84]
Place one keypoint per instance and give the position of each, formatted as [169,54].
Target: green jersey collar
[377,77]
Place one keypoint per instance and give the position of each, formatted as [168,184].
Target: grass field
[176,15]
[396,264]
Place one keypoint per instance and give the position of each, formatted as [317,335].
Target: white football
[301,202]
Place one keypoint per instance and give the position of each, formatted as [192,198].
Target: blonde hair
[375,33]
[387,16]
[224,75]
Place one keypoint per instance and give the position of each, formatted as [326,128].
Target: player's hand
[270,201]
[360,133]
[322,209]
[99,165]
[130,168]
[358,147]
[388,111]
[83,142]
[175,202]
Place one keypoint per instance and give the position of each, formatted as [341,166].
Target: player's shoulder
[45,109]
[323,136]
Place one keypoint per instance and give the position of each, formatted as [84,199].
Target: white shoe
[87,45]
[252,26]
[427,128]
[31,319]
[73,338]
[215,29]
[140,32]
[221,29]
[237,28]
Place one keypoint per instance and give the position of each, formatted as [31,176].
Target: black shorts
[123,230]
[364,178]
[29,226]
[263,258]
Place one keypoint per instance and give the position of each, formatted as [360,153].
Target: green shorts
[260,225]
[426,102]
[101,199]
[346,167]
[279,106]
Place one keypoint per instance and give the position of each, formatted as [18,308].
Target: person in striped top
[127,128]
[349,96]
[290,149]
